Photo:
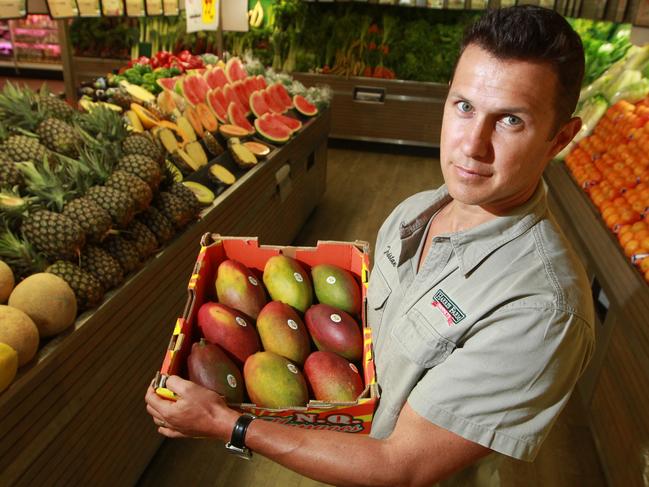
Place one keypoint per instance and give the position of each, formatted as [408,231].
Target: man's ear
[564,136]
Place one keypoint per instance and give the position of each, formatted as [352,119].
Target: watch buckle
[244,452]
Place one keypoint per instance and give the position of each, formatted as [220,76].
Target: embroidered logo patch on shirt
[448,308]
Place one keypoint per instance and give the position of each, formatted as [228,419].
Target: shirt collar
[472,246]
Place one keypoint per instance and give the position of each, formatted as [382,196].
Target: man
[481,314]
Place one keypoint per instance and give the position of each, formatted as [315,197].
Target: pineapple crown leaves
[19,254]
[104,125]
[47,184]
[19,108]
[13,207]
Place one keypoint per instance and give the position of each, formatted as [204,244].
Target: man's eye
[512,120]
[464,106]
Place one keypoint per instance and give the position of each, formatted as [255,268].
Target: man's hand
[198,412]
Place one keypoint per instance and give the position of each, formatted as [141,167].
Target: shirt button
[403,225]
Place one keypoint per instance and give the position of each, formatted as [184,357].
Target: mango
[209,366]
[230,329]
[288,282]
[336,287]
[238,288]
[273,381]
[335,331]
[332,378]
[282,331]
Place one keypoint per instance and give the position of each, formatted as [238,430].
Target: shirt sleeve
[506,385]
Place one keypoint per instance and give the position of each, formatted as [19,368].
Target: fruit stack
[80,197]
[611,166]
[264,341]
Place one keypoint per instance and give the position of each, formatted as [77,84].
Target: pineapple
[104,125]
[124,252]
[54,106]
[118,204]
[140,144]
[212,145]
[24,148]
[143,167]
[187,195]
[155,221]
[143,238]
[103,266]
[10,175]
[22,111]
[92,218]
[174,208]
[134,186]
[20,255]
[54,234]
[13,207]
[87,288]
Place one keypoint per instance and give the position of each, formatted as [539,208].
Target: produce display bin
[380,110]
[615,387]
[76,414]
[353,417]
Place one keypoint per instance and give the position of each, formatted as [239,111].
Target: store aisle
[362,189]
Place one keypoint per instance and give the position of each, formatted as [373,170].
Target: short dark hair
[531,33]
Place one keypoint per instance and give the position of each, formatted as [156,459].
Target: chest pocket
[378,293]
[419,341]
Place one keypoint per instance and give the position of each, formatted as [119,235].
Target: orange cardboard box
[355,417]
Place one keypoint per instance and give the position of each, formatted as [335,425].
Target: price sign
[62,9]
[135,8]
[112,8]
[89,8]
[154,7]
[12,9]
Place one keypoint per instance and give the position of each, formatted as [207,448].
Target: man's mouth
[471,172]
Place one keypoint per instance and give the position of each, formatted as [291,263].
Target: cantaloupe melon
[7,281]
[19,332]
[47,300]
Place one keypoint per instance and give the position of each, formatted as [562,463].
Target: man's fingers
[177,384]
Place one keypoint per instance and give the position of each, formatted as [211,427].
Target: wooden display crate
[76,416]
[379,110]
[615,388]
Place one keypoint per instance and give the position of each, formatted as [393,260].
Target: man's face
[496,133]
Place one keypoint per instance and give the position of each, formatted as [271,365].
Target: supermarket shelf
[617,381]
[31,65]
[75,415]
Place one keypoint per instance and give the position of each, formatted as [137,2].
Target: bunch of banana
[256,15]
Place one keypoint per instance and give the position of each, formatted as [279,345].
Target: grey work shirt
[490,337]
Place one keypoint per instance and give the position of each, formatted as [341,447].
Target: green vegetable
[133,75]
[149,79]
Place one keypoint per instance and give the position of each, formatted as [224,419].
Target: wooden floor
[362,189]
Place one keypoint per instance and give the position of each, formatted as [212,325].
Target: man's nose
[477,139]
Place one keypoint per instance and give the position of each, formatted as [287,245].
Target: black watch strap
[237,443]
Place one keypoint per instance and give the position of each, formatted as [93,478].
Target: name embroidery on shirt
[448,308]
[389,256]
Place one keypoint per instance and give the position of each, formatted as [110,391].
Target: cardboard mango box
[355,417]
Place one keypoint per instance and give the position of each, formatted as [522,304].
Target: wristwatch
[237,444]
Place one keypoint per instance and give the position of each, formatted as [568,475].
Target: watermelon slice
[231,97]
[303,106]
[234,70]
[293,124]
[237,116]
[239,88]
[261,82]
[272,130]
[216,77]
[167,83]
[279,92]
[258,104]
[274,105]
[194,89]
[216,102]
[250,83]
